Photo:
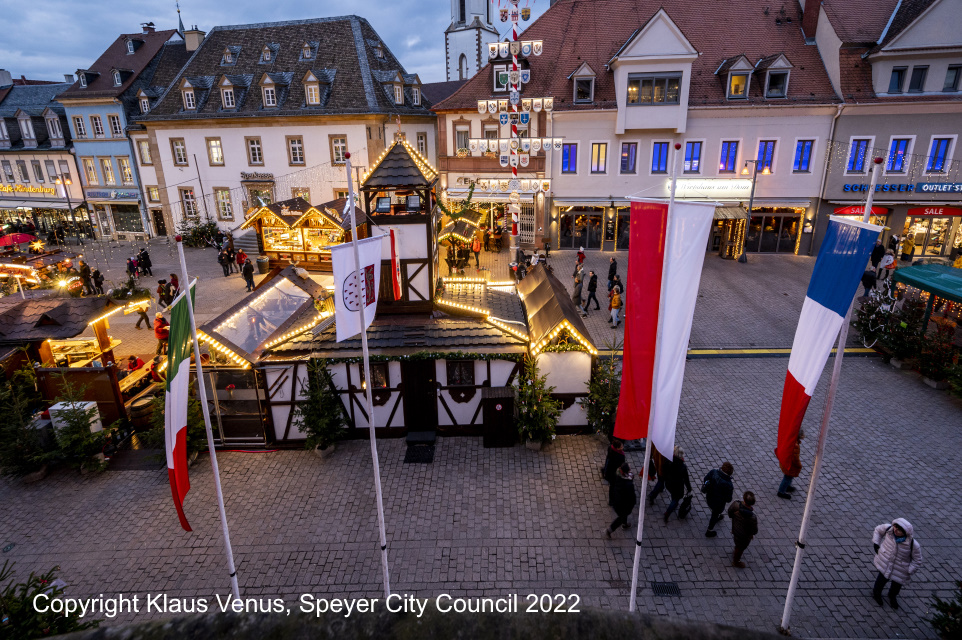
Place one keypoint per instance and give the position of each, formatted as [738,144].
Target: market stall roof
[50,317]
[292,212]
[399,335]
[550,311]
[284,306]
[497,303]
[400,166]
[943,281]
[464,227]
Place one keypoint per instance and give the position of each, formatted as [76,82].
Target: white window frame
[953,141]
[107,170]
[295,145]
[182,146]
[270,96]
[90,171]
[462,128]
[3,130]
[227,58]
[145,158]
[591,92]
[117,79]
[812,166]
[591,146]
[415,96]
[250,145]
[189,204]
[190,101]
[312,93]
[26,129]
[494,77]
[83,81]
[37,171]
[97,126]
[908,153]
[338,150]
[53,126]
[768,76]
[224,95]
[212,145]
[130,46]
[651,155]
[422,137]
[266,54]
[740,150]
[868,156]
[306,52]
[398,94]
[144,105]
[225,208]
[79,127]
[118,131]
[701,158]
[126,171]
[778,145]
[151,190]
[748,84]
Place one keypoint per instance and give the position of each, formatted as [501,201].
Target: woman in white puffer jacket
[897,558]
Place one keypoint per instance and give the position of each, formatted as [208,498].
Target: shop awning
[34,204]
[482,198]
[586,203]
[730,213]
[938,279]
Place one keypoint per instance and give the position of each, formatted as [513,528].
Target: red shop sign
[935,211]
[856,210]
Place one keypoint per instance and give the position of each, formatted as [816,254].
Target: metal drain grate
[666,589]
[419,454]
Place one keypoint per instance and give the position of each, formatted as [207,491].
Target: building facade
[99,107]
[266,112]
[465,40]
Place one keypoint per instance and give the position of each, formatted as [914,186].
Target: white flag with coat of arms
[351,293]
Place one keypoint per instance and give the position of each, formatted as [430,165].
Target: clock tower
[465,40]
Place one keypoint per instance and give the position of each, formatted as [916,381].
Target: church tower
[465,41]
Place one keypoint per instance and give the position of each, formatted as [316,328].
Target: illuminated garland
[296,332]
[216,346]
[432,355]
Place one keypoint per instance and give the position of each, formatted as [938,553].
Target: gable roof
[36,319]
[343,46]
[400,166]
[435,92]
[549,308]
[905,14]
[599,37]
[859,21]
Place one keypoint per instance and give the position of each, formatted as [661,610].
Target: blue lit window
[803,156]
[856,160]
[692,157]
[659,157]
[938,155]
[629,151]
[729,156]
[766,152]
[569,157]
[896,161]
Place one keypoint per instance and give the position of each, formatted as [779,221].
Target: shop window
[917,82]
[729,157]
[897,79]
[179,151]
[738,86]
[79,127]
[599,157]
[654,89]
[897,153]
[569,157]
[188,202]
[126,175]
[938,155]
[692,157]
[255,154]
[295,150]
[215,152]
[952,78]
[127,218]
[629,156]
[803,156]
[460,373]
[766,155]
[659,157]
[857,157]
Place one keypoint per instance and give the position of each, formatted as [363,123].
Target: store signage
[114,194]
[711,188]
[857,210]
[939,187]
[257,176]
[25,188]
[879,187]
[935,211]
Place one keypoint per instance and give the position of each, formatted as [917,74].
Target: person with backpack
[621,497]
[476,250]
[163,291]
[744,526]
[676,480]
[718,489]
[613,461]
[897,558]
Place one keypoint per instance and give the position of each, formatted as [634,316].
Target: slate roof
[33,100]
[116,57]
[155,79]
[604,26]
[398,168]
[548,305]
[36,319]
[435,92]
[343,45]
[859,21]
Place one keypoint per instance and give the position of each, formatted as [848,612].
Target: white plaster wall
[828,44]
[567,372]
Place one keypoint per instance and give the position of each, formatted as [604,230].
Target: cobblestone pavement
[499,521]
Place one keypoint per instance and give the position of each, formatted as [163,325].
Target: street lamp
[743,258]
[66,182]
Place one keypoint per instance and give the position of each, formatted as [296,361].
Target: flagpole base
[783,631]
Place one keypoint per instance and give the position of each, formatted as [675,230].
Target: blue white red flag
[840,264]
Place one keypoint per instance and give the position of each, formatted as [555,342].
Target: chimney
[810,10]
[148,27]
[68,77]
[193,37]
[5,78]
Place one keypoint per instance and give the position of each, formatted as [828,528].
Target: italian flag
[175,406]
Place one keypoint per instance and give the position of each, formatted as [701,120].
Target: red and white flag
[395,266]
[663,275]
[179,347]
[350,295]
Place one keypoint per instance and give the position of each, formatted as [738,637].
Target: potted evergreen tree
[320,415]
[538,412]
[903,333]
[604,390]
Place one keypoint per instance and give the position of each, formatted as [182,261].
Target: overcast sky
[45,39]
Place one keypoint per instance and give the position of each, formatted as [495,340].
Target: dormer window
[144,105]
[130,46]
[227,98]
[117,80]
[189,101]
[398,94]
[378,51]
[83,81]
[270,97]
[26,128]
[738,86]
[306,51]
[312,94]
[228,57]
[416,96]
[777,84]
[266,54]
[653,88]
[584,89]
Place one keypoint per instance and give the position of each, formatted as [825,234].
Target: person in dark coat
[231,258]
[877,252]
[676,481]
[621,496]
[868,280]
[613,461]
[785,489]
[612,270]
[718,489]
[98,279]
[576,293]
[132,267]
[174,285]
[86,278]
[744,526]
[592,287]
[248,272]
[143,261]
[224,261]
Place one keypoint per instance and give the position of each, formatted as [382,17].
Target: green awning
[943,281]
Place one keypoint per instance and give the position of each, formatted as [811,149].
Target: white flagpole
[201,391]
[823,433]
[651,406]
[367,378]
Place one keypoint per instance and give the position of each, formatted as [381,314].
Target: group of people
[140,264]
[615,290]
[93,280]
[236,262]
[897,554]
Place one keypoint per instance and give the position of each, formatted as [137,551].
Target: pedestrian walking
[744,526]
[576,295]
[98,279]
[615,306]
[676,481]
[144,263]
[161,332]
[897,558]
[908,248]
[223,260]
[219,239]
[86,276]
[613,461]
[659,464]
[476,250]
[718,489]
[231,257]
[132,267]
[868,281]
[887,265]
[163,293]
[612,270]
[592,287]
[248,272]
[877,252]
[142,312]
[581,255]
[174,285]
[621,496]
[785,489]
[487,239]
